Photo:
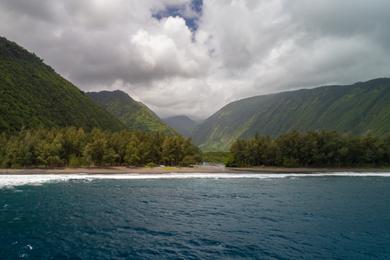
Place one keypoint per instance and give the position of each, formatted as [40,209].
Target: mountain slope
[360,108]
[182,124]
[33,95]
[134,115]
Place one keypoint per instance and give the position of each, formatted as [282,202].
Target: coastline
[196,169]
[116,170]
[308,170]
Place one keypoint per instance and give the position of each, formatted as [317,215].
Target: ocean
[190,216]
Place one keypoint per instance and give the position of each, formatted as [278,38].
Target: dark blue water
[310,217]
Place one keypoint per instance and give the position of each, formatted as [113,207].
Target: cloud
[169,53]
[269,46]
[192,57]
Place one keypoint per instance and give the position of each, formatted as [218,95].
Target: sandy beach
[196,169]
[119,170]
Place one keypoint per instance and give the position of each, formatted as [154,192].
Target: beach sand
[195,169]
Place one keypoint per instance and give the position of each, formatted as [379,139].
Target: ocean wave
[18,180]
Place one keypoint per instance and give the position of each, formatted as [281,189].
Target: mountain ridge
[133,114]
[182,124]
[34,95]
[363,107]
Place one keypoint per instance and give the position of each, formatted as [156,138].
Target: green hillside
[33,95]
[182,124]
[134,115]
[360,108]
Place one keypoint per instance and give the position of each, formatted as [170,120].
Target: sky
[192,57]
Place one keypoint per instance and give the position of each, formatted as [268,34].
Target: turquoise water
[284,218]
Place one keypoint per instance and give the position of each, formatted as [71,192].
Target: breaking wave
[17,180]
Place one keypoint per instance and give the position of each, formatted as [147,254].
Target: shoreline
[196,169]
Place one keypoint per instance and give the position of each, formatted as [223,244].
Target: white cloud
[241,48]
[170,52]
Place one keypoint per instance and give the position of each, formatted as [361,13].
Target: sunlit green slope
[134,115]
[33,95]
[359,108]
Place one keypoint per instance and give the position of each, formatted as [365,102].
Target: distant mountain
[182,124]
[360,108]
[134,115]
[33,95]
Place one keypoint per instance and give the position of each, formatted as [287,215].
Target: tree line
[311,149]
[75,147]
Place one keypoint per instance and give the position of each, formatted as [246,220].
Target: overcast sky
[193,57]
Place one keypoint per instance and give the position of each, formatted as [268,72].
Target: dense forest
[357,109]
[311,149]
[136,116]
[75,147]
[33,95]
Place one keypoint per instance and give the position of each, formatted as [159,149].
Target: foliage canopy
[33,95]
[318,149]
[75,147]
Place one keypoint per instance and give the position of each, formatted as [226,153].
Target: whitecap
[39,179]
[9,181]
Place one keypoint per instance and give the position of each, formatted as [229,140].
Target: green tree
[75,147]
[97,151]
[49,150]
[132,155]
[319,149]
[3,145]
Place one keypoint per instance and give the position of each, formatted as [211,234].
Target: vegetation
[33,95]
[358,109]
[134,115]
[312,149]
[216,157]
[75,147]
[182,124]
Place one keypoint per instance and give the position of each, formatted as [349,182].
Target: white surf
[17,180]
